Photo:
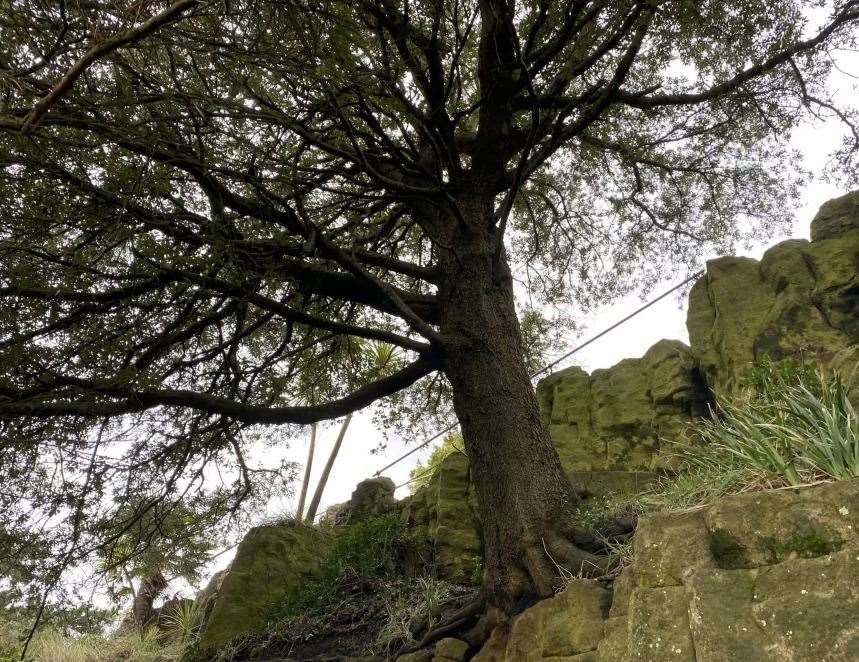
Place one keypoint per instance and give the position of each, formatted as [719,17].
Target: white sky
[666,319]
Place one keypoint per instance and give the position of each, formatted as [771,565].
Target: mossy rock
[442,514]
[764,528]
[836,217]
[614,419]
[270,561]
[800,300]
[568,626]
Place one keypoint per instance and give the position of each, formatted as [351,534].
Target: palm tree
[307,468]
[383,359]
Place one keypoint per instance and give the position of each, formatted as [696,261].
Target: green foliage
[383,617]
[793,424]
[476,578]
[60,621]
[12,630]
[185,621]
[422,473]
[368,550]
[174,541]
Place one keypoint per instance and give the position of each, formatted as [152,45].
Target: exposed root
[454,623]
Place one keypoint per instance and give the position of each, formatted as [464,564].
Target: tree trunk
[323,479]
[300,510]
[142,612]
[526,501]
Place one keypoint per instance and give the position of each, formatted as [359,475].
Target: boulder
[683,600]
[371,498]
[450,650]
[568,626]
[836,217]
[269,561]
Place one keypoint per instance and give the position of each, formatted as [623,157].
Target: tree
[201,205]
[305,483]
[151,548]
[326,471]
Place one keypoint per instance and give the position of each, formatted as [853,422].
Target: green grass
[792,425]
[145,646]
[369,550]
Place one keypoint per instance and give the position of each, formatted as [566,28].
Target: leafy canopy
[204,204]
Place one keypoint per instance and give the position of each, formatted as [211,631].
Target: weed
[364,551]
[184,621]
[792,425]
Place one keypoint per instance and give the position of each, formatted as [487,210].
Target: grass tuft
[793,425]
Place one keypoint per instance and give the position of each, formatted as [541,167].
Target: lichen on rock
[677,601]
[269,561]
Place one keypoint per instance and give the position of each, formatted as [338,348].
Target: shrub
[368,550]
[184,621]
[793,424]
[796,424]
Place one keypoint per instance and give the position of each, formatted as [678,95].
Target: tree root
[453,623]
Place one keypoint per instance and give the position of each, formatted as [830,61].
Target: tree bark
[526,501]
[304,485]
[142,612]
[326,472]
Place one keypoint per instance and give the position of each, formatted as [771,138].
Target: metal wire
[549,366]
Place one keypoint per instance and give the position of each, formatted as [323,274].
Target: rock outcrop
[607,425]
[761,577]
[269,561]
[800,300]
[371,498]
[443,513]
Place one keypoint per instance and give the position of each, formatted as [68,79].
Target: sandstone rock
[371,498]
[417,656]
[809,608]
[759,577]
[269,561]
[559,628]
[612,421]
[450,650]
[667,546]
[444,513]
[659,626]
[801,299]
[836,217]
[769,527]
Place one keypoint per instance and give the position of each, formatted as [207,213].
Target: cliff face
[800,300]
